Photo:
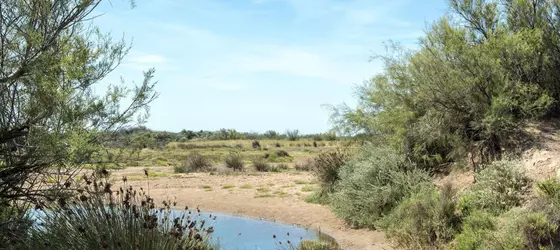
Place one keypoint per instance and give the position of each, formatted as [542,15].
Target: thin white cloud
[148,59]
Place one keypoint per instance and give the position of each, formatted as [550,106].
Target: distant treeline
[142,137]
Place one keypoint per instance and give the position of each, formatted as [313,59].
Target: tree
[479,74]
[293,135]
[51,120]
[271,134]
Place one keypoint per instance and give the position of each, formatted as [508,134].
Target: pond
[235,232]
[242,233]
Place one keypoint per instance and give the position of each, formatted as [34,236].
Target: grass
[301,182]
[307,188]
[228,186]
[216,151]
[263,190]
[246,186]
[264,196]
[280,193]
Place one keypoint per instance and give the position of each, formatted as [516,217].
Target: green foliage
[479,75]
[292,135]
[125,220]
[283,166]
[317,197]
[194,162]
[550,190]
[261,165]
[313,245]
[282,153]
[327,166]
[234,161]
[475,230]
[374,183]
[271,134]
[499,187]
[51,118]
[426,220]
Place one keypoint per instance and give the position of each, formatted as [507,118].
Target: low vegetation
[194,162]
[127,215]
[234,161]
[261,165]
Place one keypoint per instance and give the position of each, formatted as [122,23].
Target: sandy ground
[271,196]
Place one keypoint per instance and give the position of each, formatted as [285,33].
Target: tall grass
[121,219]
[327,167]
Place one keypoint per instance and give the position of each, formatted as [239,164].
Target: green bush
[234,161]
[313,245]
[117,220]
[317,197]
[426,220]
[499,187]
[283,166]
[194,162]
[476,229]
[518,228]
[374,183]
[282,153]
[261,165]
[326,168]
[292,135]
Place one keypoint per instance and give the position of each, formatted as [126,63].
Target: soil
[270,196]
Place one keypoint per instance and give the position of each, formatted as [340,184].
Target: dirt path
[272,196]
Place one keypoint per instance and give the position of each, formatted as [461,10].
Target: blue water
[234,232]
[241,233]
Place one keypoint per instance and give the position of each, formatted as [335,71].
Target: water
[234,232]
[242,233]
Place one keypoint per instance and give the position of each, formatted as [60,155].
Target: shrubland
[461,100]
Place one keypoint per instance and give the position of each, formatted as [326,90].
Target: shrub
[275,169]
[277,145]
[518,228]
[317,198]
[256,144]
[292,135]
[234,161]
[305,166]
[426,220]
[283,166]
[261,165]
[121,220]
[193,163]
[314,143]
[498,187]
[313,245]
[326,168]
[372,184]
[476,228]
[282,153]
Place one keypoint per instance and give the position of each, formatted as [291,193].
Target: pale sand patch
[286,205]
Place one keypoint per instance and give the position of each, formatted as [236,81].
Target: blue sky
[255,65]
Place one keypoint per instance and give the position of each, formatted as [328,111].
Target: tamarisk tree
[52,122]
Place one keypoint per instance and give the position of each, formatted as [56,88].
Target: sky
[257,65]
